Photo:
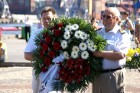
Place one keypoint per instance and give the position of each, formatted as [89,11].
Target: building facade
[74,7]
[21,6]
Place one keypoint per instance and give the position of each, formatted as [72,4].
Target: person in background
[112,77]
[94,23]
[127,24]
[137,32]
[3,51]
[47,14]
[39,25]
[28,25]
[1,33]
[3,48]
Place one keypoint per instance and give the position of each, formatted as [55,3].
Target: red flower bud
[53,28]
[43,69]
[51,54]
[80,71]
[47,61]
[41,43]
[60,24]
[45,47]
[57,33]
[48,39]
[56,45]
[45,35]
[42,53]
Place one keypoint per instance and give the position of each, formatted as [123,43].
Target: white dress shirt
[29,48]
[117,41]
[31,43]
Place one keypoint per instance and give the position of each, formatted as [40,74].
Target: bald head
[111,17]
[114,11]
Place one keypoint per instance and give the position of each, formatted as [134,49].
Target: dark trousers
[27,33]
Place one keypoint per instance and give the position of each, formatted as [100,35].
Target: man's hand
[28,56]
[97,54]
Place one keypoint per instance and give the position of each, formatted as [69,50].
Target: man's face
[46,18]
[109,20]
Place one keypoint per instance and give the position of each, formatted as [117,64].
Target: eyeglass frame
[107,17]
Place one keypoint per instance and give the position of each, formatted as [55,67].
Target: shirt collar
[115,29]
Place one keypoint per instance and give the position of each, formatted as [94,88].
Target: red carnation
[79,61]
[61,72]
[60,24]
[45,47]
[47,61]
[69,80]
[56,45]
[57,33]
[41,43]
[51,54]
[45,35]
[70,63]
[80,71]
[42,53]
[48,39]
[53,28]
[43,69]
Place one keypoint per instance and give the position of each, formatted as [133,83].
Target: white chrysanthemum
[84,55]
[83,46]
[89,42]
[83,36]
[74,54]
[75,27]
[66,55]
[64,44]
[93,48]
[90,46]
[68,28]
[75,48]
[77,34]
[66,35]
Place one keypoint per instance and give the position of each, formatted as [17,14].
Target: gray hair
[114,11]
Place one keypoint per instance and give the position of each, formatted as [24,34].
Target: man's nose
[47,21]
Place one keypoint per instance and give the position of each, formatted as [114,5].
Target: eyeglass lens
[106,16]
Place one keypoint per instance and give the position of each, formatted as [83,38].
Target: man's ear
[118,19]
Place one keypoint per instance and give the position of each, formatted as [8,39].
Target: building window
[10,1]
[27,3]
[21,2]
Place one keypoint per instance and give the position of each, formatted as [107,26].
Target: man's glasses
[107,17]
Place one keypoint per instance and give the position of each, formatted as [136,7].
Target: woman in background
[127,24]
[94,23]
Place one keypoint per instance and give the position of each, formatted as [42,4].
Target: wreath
[69,43]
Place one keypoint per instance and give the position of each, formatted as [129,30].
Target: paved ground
[15,80]
[18,79]
[15,49]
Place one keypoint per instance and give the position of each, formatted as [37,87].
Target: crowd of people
[118,30]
